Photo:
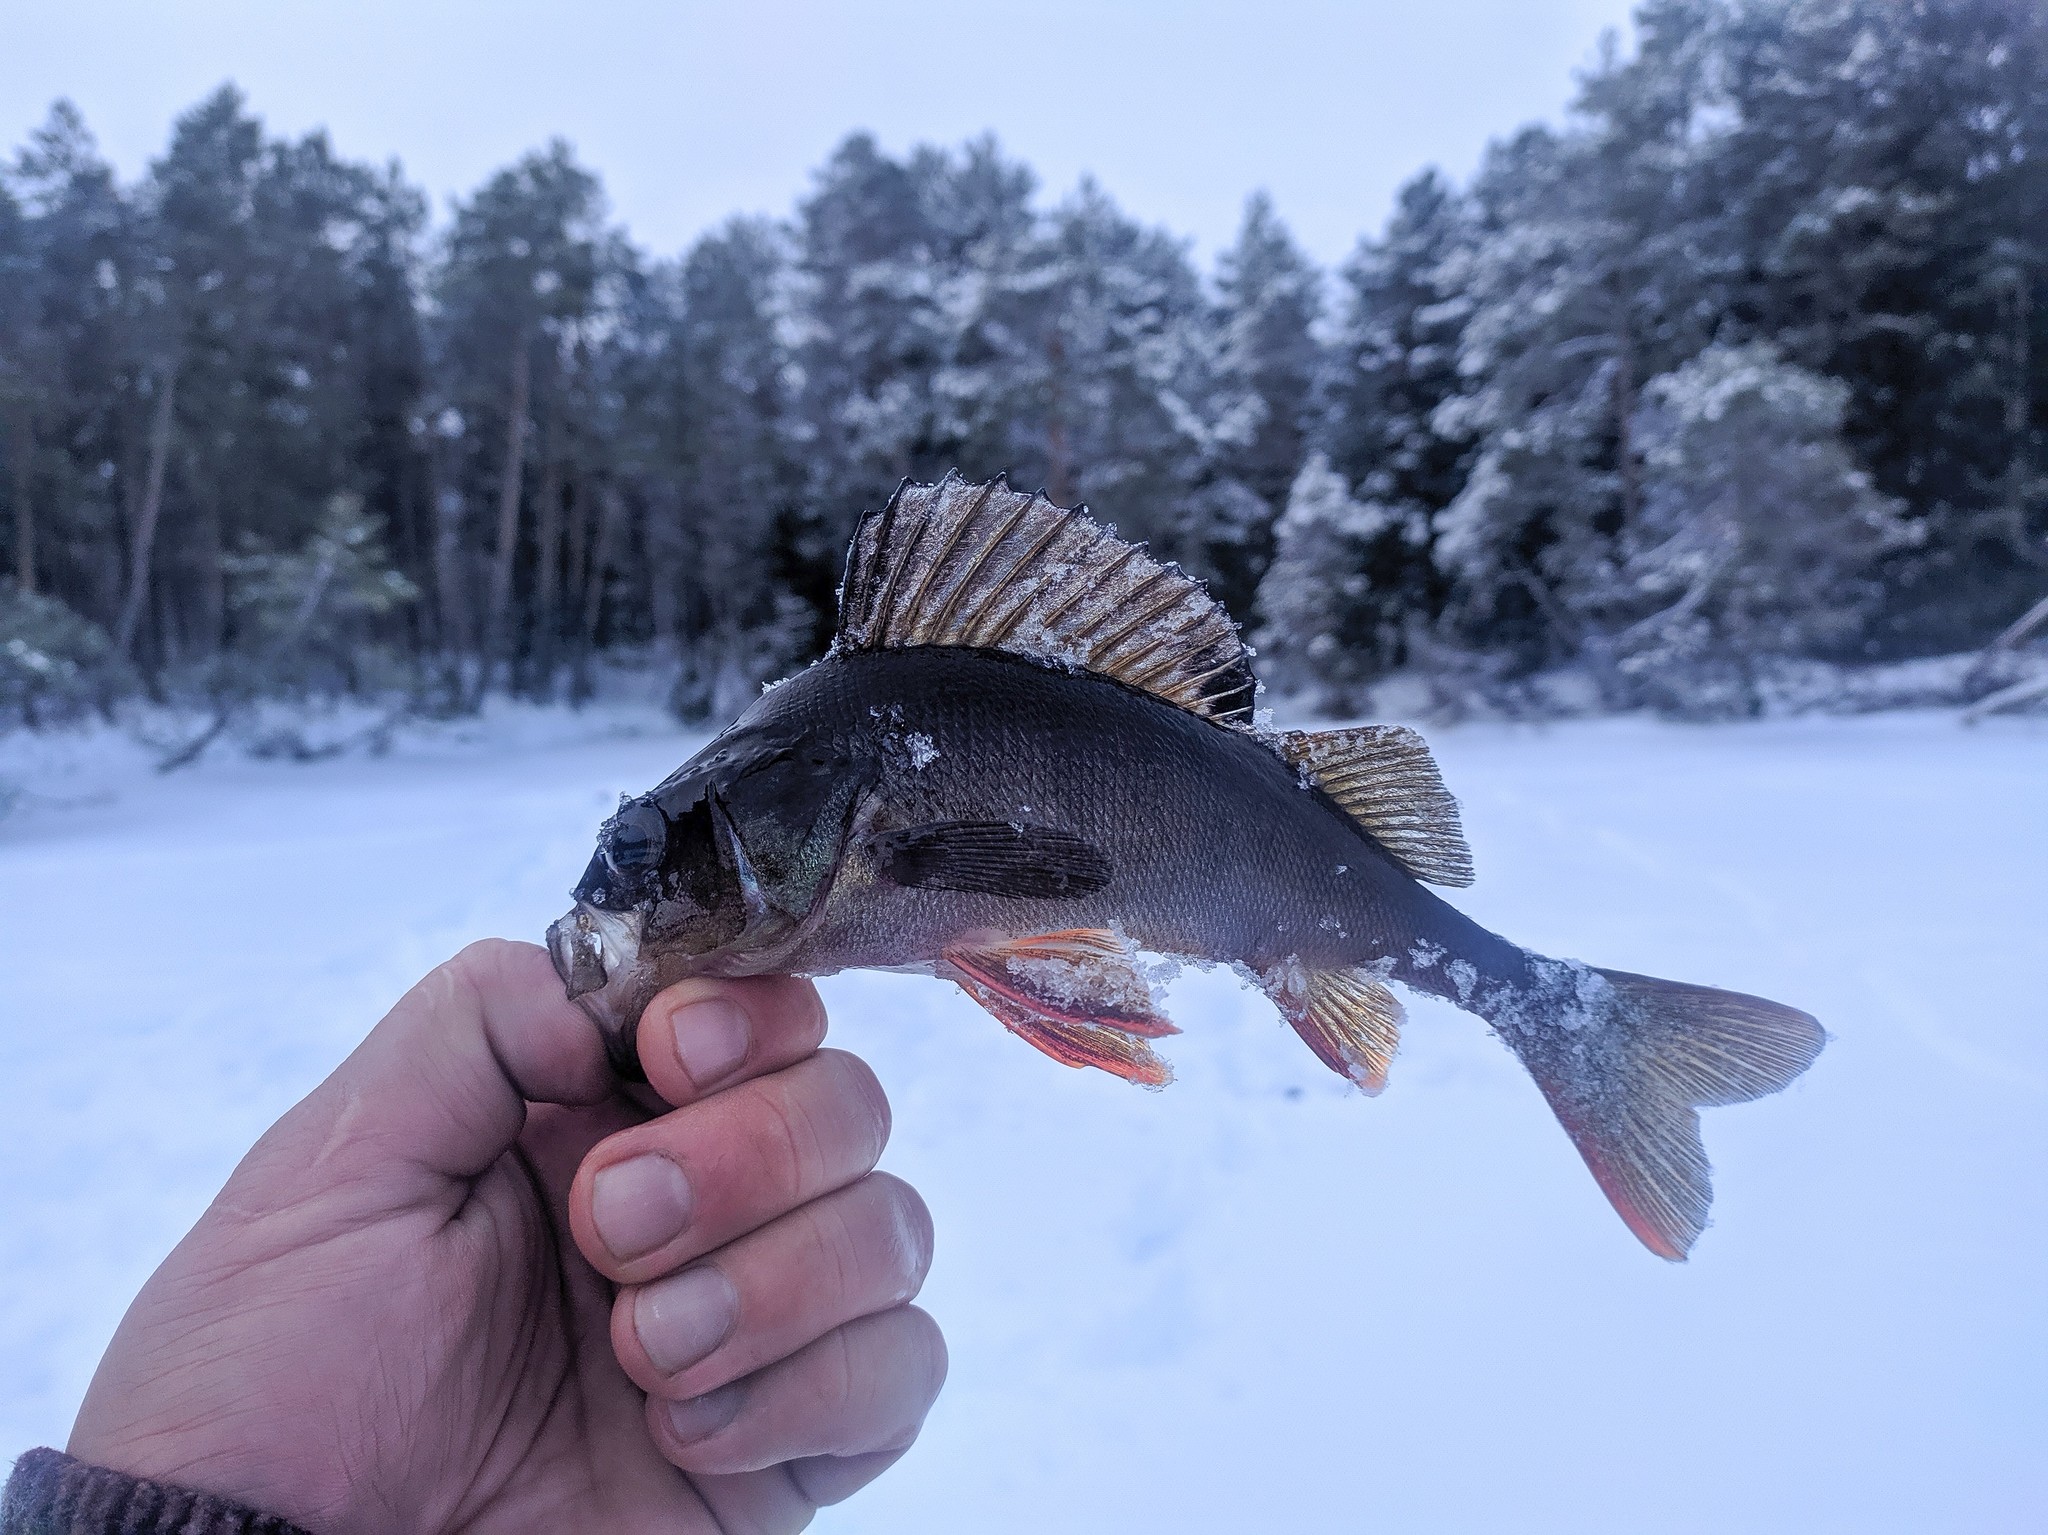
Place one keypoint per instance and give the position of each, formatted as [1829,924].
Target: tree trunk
[213,595]
[610,514]
[2019,475]
[1059,486]
[497,614]
[1626,467]
[24,511]
[576,568]
[548,550]
[142,546]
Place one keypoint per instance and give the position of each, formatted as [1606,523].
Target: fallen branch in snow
[2015,633]
[234,701]
[2012,697]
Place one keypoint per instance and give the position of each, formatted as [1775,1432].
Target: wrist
[50,1493]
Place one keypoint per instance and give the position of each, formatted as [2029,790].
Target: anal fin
[1077,996]
[1351,1021]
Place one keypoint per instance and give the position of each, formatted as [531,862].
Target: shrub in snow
[54,664]
[305,617]
[1757,534]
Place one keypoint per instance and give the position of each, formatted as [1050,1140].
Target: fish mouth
[597,955]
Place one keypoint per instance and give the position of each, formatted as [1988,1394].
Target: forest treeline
[1746,361]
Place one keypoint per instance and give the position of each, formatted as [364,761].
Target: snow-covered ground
[1257,1301]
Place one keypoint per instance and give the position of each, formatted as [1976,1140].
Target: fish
[1031,763]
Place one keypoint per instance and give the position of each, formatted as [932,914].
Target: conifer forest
[1744,365]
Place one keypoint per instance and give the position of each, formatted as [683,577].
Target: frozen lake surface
[1258,1300]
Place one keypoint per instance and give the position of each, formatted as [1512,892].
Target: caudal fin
[1627,1080]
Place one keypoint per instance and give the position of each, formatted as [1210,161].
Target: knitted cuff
[52,1494]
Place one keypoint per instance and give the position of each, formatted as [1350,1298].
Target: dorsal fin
[988,566]
[1385,779]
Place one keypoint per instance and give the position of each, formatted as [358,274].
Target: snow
[1256,1300]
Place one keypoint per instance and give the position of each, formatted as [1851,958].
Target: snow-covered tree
[1392,367]
[721,478]
[1758,534]
[1323,620]
[1128,426]
[1270,297]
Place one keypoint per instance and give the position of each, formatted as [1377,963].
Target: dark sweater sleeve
[52,1494]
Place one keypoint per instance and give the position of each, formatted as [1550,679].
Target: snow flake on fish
[1576,995]
[923,751]
[1464,975]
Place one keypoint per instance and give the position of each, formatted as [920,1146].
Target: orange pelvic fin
[1076,995]
[1351,1021]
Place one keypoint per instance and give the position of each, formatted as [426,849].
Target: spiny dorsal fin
[1385,779]
[985,565]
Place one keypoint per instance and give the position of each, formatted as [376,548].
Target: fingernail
[711,1039]
[639,1204]
[702,1416]
[685,1317]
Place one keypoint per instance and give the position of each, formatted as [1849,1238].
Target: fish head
[714,872]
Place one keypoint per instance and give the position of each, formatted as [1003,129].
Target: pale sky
[691,112]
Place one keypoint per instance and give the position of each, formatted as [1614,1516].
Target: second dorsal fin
[1385,779]
[988,566]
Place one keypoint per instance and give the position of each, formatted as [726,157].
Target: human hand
[433,1294]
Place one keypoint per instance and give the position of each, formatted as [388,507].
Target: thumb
[443,1082]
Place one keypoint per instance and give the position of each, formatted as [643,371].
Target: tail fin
[1626,1080]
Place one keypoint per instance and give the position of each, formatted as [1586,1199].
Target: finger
[754,1502]
[862,1389]
[659,1195]
[442,1083]
[861,1250]
[824,1479]
[704,1034]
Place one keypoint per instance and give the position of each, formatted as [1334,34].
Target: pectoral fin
[992,858]
[1075,995]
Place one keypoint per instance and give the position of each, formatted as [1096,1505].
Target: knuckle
[481,961]
[797,1157]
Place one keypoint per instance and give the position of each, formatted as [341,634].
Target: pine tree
[727,601]
[81,240]
[519,289]
[1886,172]
[1759,536]
[1394,365]
[1322,616]
[871,339]
[1270,299]
[1128,425]
[1594,266]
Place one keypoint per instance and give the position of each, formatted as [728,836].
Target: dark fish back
[1216,847]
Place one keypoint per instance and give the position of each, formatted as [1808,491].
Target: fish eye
[639,837]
